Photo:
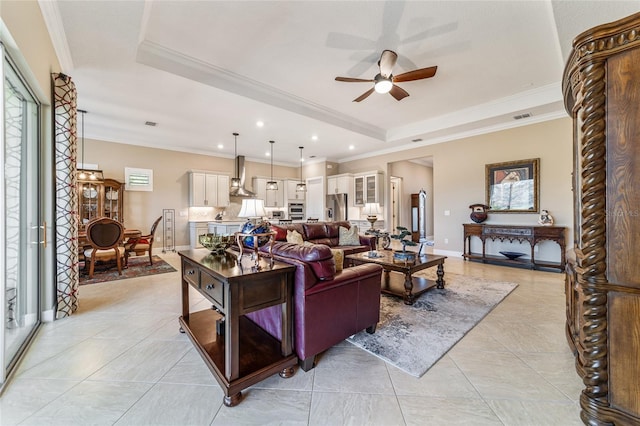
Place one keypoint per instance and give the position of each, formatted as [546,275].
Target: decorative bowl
[216,243]
[512,255]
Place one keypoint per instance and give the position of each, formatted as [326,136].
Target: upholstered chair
[105,236]
[142,244]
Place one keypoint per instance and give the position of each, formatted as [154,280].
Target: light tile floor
[120,360]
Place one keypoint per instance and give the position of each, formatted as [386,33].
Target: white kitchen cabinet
[208,190]
[224,184]
[340,184]
[195,230]
[292,194]
[272,198]
[224,228]
[368,188]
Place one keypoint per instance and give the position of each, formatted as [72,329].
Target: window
[138,179]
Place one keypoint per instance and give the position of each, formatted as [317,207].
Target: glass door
[22,232]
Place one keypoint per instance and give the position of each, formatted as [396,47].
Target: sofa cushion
[349,237]
[314,231]
[294,237]
[281,233]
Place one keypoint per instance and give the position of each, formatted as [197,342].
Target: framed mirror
[512,187]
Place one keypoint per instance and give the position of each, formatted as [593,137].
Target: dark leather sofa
[326,233]
[329,306]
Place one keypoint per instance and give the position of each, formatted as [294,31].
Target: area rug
[413,338]
[138,267]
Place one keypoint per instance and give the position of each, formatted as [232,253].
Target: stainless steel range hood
[241,191]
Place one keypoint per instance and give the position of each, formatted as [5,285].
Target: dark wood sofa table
[237,351]
[398,278]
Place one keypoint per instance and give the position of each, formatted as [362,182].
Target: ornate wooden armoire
[601,88]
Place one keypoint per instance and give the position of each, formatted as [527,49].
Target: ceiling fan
[384,82]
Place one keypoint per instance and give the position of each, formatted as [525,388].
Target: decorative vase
[404,255]
[478,212]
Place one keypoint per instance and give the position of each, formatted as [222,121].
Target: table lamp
[372,210]
[252,208]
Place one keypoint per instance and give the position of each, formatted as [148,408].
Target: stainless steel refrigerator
[337,207]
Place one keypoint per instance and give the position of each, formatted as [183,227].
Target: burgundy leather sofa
[329,306]
[326,233]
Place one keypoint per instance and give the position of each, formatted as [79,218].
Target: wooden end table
[398,276]
[237,351]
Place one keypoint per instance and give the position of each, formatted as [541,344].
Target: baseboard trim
[449,253]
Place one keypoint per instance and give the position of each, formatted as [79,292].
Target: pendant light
[235,180]
[301,187]
[272,185]
[82,175]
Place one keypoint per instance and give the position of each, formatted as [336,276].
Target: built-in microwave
[296,211]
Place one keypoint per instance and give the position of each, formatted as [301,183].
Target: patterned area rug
[138,267]
[413,338]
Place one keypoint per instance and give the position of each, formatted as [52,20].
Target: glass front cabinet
[99,199]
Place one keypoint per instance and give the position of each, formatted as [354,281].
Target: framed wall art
[512,187]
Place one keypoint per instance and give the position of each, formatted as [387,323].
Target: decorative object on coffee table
[384,241]
[479,212]
[400,236]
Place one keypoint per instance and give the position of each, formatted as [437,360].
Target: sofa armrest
[347,275]
[370,241]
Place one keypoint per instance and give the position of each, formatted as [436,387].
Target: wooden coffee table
[398,276]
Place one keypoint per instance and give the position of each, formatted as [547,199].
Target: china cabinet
[601,86]
[100,199]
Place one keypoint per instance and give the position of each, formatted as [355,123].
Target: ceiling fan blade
[398,92]
[415,74]
[353,80]
[364,96]
[387,61]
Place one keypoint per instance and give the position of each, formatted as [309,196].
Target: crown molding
[165,59]
[53,21]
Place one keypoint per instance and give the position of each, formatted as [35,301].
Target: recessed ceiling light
[150,123]
[220,146]
[314,137]
[268,154]
[351,147]
[260,123]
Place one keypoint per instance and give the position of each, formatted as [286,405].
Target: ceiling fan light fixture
[382,84]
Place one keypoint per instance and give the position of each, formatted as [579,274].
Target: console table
[521,233]
[237,351]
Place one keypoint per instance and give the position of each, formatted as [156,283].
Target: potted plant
[400,236]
